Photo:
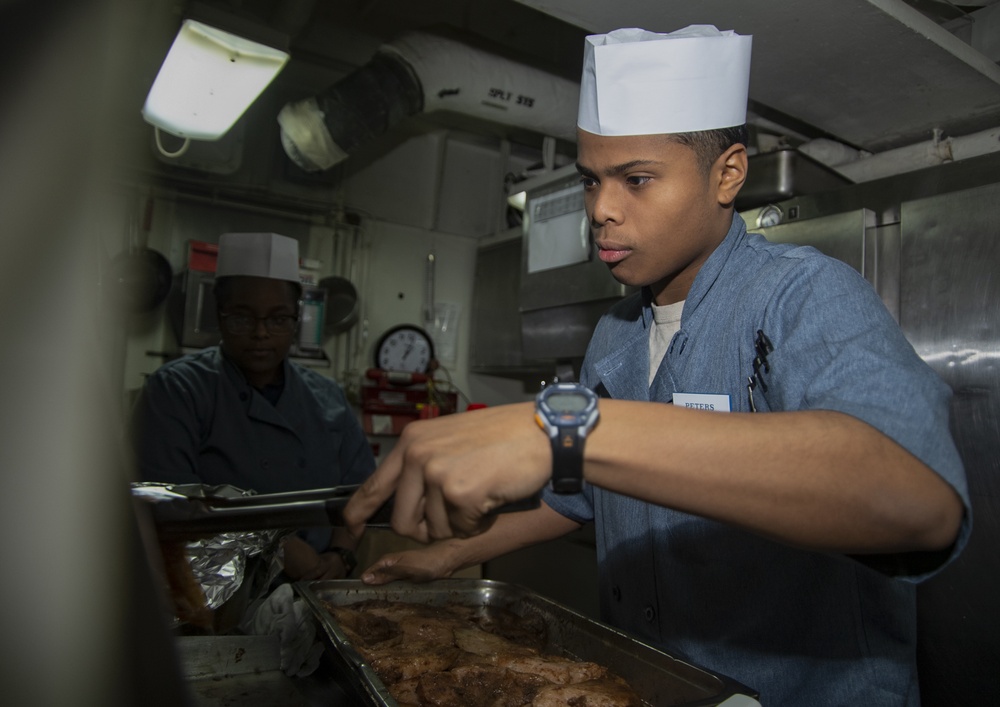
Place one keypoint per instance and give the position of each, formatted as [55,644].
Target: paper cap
[637,82]
[258,255]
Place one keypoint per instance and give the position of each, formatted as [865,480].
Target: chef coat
[804,628]
[199,421]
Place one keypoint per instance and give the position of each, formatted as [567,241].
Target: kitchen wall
[436,193]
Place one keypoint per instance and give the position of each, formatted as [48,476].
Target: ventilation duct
[423,73]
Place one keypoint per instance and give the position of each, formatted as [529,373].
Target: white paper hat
[637,82]
[258,255]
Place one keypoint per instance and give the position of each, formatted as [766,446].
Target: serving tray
[660,679]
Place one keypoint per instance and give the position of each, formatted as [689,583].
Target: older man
[242,414]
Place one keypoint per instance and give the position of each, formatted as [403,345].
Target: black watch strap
[567,461]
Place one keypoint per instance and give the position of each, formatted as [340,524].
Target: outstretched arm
[814,479]
[511,531]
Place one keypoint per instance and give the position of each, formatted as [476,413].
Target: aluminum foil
[220,563]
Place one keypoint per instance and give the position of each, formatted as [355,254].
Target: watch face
[566,405]
[567,402]
[404,348]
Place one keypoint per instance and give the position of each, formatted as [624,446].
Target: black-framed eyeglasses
[241,324]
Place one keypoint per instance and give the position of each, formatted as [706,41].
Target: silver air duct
[423,73]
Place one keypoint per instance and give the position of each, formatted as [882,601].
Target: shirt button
[264,464]
[649,613]
[302,463]
[243,397]
[616,592]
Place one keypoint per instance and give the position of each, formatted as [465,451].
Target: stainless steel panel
[557,231]
[528,346]
[659,678]
[841,236]
[219,671]
[782,174]
[496,327]
[883,196]
[562,332]
[215,656]
[882,245]
[571,284]
[558,307]
[950,309]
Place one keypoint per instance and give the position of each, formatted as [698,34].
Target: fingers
[467,523]
[410,505]
[383,571]
[448,475]
[436,514]
[414,566]
[375,491]
[434,502]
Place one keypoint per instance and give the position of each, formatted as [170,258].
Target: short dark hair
[224,286]
[709,144]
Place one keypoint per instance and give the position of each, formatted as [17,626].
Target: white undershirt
[667,320]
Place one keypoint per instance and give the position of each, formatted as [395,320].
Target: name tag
[701,401]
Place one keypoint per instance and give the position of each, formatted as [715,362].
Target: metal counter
[224,671]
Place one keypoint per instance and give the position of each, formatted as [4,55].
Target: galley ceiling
[874,74]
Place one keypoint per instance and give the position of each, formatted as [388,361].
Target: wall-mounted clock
[404,348]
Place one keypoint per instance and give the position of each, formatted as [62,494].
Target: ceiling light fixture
[208,80]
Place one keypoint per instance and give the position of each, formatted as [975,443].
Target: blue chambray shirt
[803,628]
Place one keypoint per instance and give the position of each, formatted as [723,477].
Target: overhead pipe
[864,167]
[423,73]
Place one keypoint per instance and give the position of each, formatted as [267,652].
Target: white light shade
[518,201]
[208,80]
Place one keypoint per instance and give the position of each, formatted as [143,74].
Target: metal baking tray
[660,679]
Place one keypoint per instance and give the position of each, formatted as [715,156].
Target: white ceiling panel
[876,74]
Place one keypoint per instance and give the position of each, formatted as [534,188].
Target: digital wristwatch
[566,412]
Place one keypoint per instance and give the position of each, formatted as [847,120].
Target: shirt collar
[706,277]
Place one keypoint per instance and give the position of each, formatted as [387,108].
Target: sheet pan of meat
[479,642]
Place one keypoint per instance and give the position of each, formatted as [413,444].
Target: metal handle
[203,514]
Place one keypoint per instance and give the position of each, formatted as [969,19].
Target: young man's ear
[730,169]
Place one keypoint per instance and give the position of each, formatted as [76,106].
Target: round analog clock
[404,348]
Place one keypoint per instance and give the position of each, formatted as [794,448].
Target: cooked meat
[366,628]
[480,685]
[460,656]
[430,629]
[410,660]
[529,630]
[478,642]
[405,693]
[514,689]
[606,692]
[395,610]
[561,671]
